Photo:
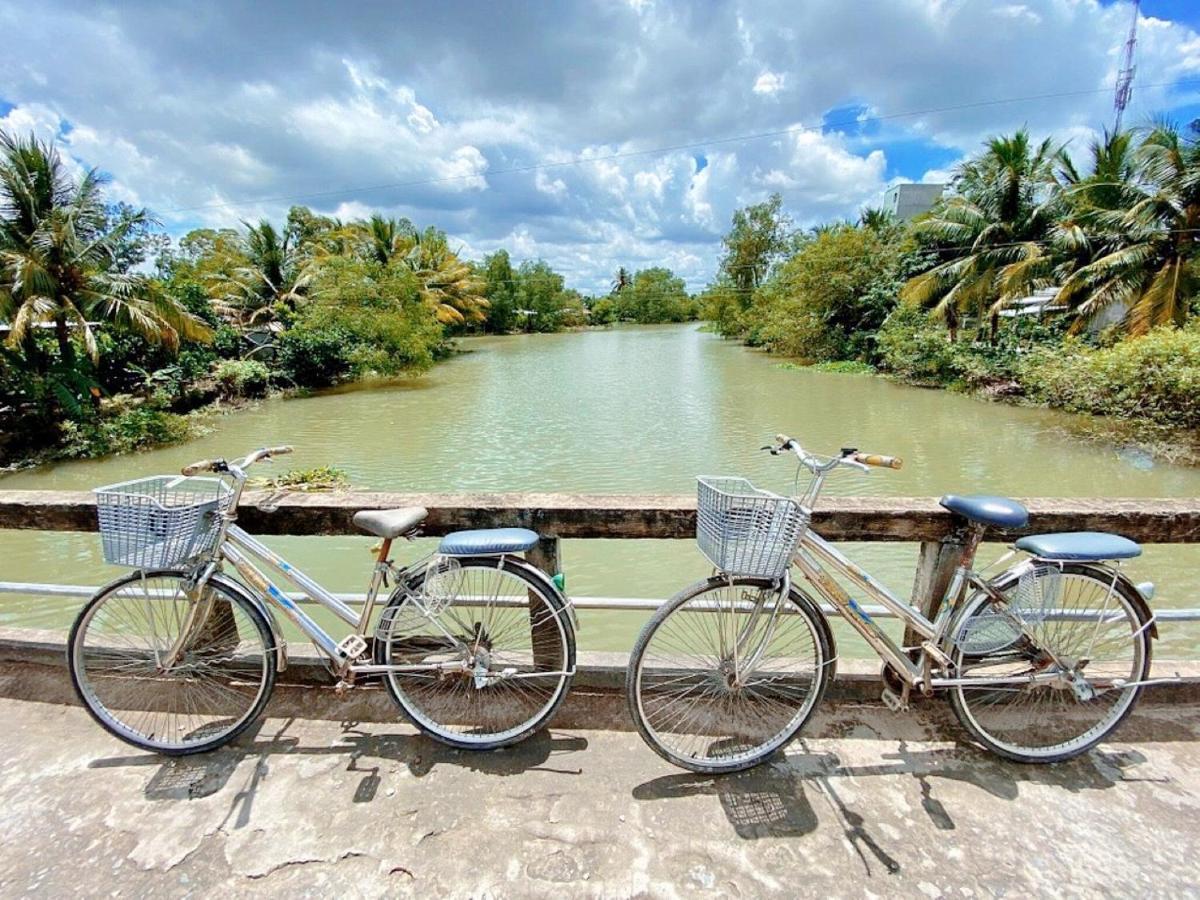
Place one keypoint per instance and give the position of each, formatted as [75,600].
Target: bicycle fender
[236,587]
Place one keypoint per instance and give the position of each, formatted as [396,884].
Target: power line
[671,148]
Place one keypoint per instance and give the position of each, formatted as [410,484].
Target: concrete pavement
[871,803]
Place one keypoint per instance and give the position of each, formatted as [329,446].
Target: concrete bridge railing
[574,516]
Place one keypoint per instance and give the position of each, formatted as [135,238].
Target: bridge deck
[871,800]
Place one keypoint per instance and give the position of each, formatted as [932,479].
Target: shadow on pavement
[202,775]
[777,798]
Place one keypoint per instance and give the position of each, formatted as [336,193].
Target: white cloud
[768,83]
[452,108]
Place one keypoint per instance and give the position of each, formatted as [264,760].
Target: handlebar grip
[203,465]
[877,459]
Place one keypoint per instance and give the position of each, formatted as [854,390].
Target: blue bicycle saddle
[488,542]
[998,511]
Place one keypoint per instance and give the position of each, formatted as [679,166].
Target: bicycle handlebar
[877,459]
[849,456]
[219,465]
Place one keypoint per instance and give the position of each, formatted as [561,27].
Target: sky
[590,133]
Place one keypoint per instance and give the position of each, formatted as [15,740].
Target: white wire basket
[744,530]
[160,521]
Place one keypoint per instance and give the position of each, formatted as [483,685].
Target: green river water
[624,411]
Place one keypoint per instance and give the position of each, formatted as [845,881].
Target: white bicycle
[475,645]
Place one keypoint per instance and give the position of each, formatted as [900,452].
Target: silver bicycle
[475,645]
[1041,661]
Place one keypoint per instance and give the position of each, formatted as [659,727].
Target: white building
[904,201]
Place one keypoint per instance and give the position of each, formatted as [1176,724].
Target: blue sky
[594,134]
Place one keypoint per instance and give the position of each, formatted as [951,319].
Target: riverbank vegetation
[1035,278]
[116,337]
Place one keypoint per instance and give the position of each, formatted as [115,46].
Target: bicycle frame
[816,558]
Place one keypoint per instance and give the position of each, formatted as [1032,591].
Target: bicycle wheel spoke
[220,675]
[1080,635]
[721,678]
[515,630]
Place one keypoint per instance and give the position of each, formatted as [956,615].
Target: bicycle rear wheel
[493,649]
[726,673]
[1078,625]
[119,657]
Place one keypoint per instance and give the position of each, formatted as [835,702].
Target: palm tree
[876,219]
[1073,238]
[621,280]
[262,277]
[1141,220]
[448,285]
[1006,201]
[387,239]
[57,258]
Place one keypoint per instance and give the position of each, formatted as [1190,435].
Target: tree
[450,286]
[388,239]
[64,260]
[260,278]
[828,300]
[1138,216]
[1005,202]
[542,296]
[655,295]
[761,235]
[603,312]
[500,288]
[621,280]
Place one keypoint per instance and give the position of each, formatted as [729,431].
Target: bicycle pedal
[892,701]
[352,646]
[934,652]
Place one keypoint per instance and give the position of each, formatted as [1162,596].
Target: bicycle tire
[92,696]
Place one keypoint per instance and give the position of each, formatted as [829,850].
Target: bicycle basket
[744,530]
[160,521]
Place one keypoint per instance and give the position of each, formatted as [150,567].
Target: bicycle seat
[488,542]
[390,523]
[998,511]
[1090,546]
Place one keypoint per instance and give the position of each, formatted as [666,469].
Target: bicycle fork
[744,663]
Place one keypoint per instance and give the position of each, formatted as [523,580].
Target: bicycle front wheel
[1042,678]
[727,672]
[484,652]
[168,669]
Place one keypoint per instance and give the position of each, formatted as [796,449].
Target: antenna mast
[1125,75]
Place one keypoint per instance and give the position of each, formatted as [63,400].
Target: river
[627,410]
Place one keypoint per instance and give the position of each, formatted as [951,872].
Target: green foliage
[500,288]
[604,311]
[760,235]
[1154,378]
[912,346]
[655,295]
[846,367]
[379,310]
[827,301]
[314,357]
[543,297]
[123,430]
[322,478]
[242,377]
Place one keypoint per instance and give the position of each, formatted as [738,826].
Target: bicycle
[474,644]
[1041,662]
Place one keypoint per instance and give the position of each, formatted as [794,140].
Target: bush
[389,329]
[1155,378]
[916,348]
[314,358]
[122,431]
[242,377]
